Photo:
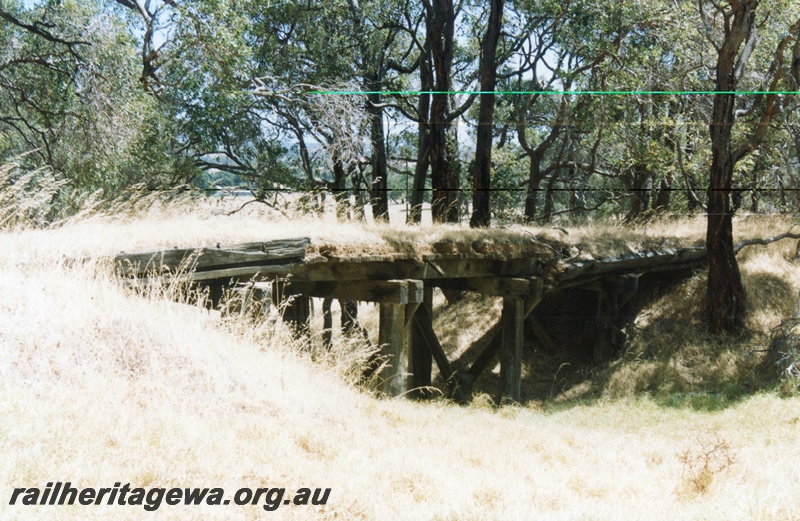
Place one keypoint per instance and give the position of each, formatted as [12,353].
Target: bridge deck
[401,281]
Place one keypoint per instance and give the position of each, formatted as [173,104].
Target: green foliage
[79,107]
[213,92]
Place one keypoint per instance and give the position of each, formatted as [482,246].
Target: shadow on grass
[670,357]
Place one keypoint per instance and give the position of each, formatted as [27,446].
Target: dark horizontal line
[604,122]
[553,92]
[367,191]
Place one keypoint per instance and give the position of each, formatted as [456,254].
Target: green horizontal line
[554,92]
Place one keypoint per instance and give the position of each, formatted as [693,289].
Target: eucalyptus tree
[234,78]
[574,45]
[384,50]
[732,29]
[43,51]
[440,21]
[481,215]
[549,59]
[289,49]
[68,95]
[444,64]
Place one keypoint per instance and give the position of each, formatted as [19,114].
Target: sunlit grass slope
[98,385]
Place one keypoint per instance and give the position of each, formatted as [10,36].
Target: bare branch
[764,242]
[47,35]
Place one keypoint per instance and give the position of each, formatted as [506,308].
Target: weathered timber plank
[435,267]
[494,286]
[410,310]
[414,269]
[343,271]
[424,323]
[392,291]
[408,329]
[327,323]
[246,299]
[644,262]
[391,338]
[298,313]
[511,351]
[370,258]
[492,339]
[212,258]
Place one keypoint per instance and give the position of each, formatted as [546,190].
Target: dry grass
[185,223]
[703,463]
[98,385]
[671,354]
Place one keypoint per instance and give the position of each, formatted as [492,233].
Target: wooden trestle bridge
[402,284]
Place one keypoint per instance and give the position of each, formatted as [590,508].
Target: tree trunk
[379,193]
[640,186]
[424,139]
[726,301]
[549,197]
[661,203]
[532,192]
[481,183]
[372,65]
[339,189]
[358,206]
[438,158]
[453,176]
[693,202]
[440,22]
[349,317]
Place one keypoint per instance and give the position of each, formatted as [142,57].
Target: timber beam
[251,298]
[388,291]
[506,287]
[494,343]
[620,284]
[670,259]
[415,269]
[294,309]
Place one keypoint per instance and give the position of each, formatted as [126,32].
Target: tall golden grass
[101,385]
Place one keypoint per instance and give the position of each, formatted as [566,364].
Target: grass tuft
[705,462]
